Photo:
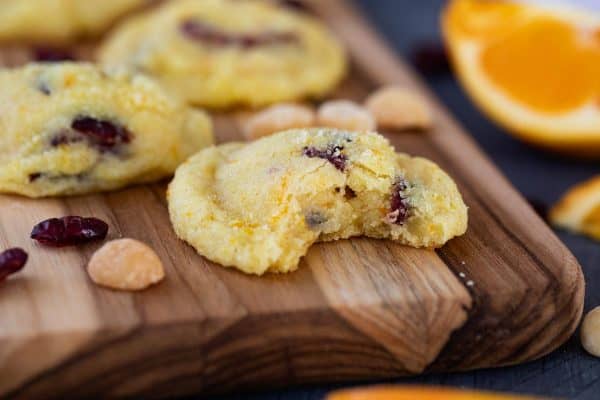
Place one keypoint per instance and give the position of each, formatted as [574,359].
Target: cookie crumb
[470,283]
[278,118]
[462,275]
[399,108]
[345,114]
[125,264]
[590,332]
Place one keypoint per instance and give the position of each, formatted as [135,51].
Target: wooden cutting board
[506,292]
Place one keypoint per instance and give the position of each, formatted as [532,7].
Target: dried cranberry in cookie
[204,33]
[332,153]
[101,133]
[222,53]
[74,128]
[259,206]
[50,54]
[399,207]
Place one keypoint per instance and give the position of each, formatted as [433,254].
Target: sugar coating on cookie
[220,53]
[258,207]
[59,21]
[74,128]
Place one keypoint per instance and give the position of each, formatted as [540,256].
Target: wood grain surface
[355,309]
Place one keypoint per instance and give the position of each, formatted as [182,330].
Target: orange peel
[418,393]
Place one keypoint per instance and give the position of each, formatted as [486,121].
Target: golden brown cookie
[259,206]
[74,128]
[59,21]
[220,53]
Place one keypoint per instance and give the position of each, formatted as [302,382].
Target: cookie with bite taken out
[260,206]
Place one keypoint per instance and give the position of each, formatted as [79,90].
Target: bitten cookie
[220,53]
[73,128]
[258,207]
[59,21]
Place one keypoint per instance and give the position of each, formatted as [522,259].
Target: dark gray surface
[569,372]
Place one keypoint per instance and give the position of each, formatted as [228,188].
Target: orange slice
[532,68]
[417,393]
[579,209]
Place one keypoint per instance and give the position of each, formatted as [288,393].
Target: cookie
[59,21]
[73,128]
[220,53]
[259,206]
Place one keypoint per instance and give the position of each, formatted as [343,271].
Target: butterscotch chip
[399,108]
[344,114]
[590,332]
[278,118]
[125,264]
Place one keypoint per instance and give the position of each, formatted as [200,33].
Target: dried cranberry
[248,41]
[430,58]
[200,31]
[398,203]
[11,261]
[69,231]
[349,194]
[333,154]
[102,132]
[49,54]
[203,32]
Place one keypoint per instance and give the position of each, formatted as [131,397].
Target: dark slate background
[569,372]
